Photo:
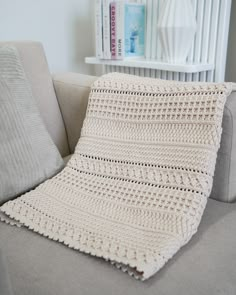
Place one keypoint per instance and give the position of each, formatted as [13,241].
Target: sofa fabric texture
[28,155]
[72,90]
[5,284]
[143,166]
[224,185]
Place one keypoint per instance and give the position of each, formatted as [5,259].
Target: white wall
[65,27]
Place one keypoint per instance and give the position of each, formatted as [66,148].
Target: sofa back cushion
[36,69]
[28,155]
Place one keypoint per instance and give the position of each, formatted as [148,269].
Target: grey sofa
[38,266]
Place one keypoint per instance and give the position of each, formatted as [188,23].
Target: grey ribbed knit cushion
[28,155]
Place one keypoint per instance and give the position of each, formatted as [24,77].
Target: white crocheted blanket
[135,190]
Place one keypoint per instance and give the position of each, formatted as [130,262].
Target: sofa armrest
[72,91]
[224,183]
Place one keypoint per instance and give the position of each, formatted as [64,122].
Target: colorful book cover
[135,19]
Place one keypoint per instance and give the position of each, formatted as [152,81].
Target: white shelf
[152,64]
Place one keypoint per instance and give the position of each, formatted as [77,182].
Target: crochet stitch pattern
[136,187]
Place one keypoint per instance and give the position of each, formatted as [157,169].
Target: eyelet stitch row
[135,190]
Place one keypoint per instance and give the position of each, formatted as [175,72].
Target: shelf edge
[150,64]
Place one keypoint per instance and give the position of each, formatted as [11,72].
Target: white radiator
[209,45]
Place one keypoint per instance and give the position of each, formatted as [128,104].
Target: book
[130,29]
[106,29]
[113,33]
[135,20]
[120,29]
[99,28]
[120,47]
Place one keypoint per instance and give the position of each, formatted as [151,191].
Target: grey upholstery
[206,266]
[5,284]
[28,155]
[37,72]
[66,159]
[224,186]
[72,92]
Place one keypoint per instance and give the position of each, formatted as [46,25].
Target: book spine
[113,30]
[106,29]
[98,29]
[135,19]
[120,36]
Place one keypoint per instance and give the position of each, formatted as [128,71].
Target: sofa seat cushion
[5,284]
[205,266]
[66,159]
